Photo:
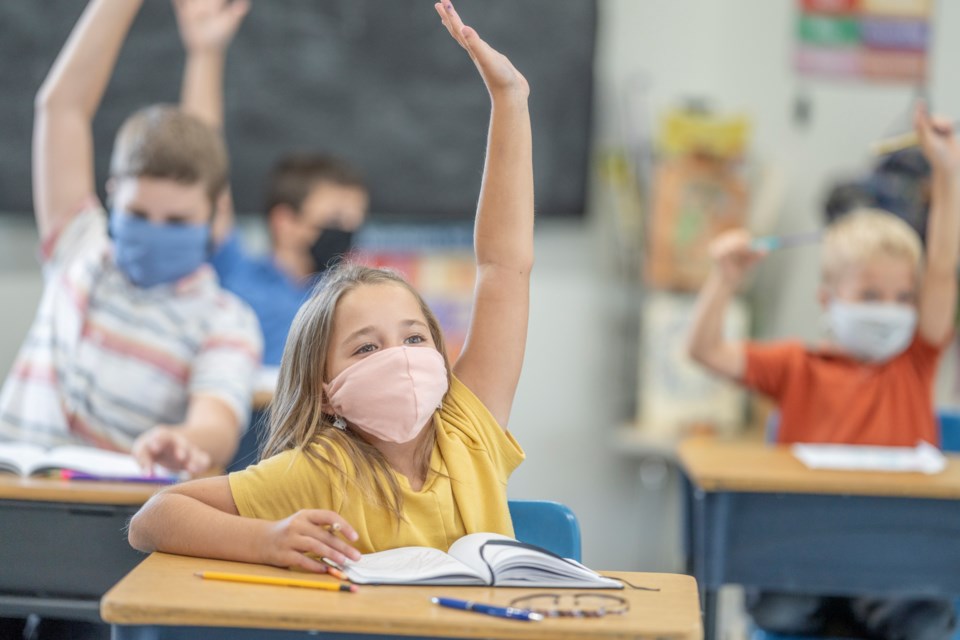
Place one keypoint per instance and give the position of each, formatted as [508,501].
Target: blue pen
[489,609]
[772,243]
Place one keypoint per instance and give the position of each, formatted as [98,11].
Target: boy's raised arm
[503,236]
[207,28]
[65,105]
[938,293]
[733,257]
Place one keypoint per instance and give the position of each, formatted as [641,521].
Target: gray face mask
[872,331]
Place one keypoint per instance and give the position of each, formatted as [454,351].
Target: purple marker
[66,474]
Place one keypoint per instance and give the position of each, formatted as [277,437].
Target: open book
[31,460]
[477,559]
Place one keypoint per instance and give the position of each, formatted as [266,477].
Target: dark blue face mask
[150,254]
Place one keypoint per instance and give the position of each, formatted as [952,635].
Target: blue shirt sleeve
[228,258]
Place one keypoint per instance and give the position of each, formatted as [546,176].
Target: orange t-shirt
[827,398]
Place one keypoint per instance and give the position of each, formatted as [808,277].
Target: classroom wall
[737,53]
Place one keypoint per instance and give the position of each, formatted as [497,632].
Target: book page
[87,460]
[924,458]
[527,565]
[467,551]
[15,457]
[410,565]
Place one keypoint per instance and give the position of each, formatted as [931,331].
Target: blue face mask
[150,254]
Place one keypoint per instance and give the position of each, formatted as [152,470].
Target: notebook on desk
[924,458]
[476,559]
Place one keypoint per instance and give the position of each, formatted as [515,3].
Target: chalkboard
[378,82]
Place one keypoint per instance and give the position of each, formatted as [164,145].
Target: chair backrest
[547,524]
[950,429]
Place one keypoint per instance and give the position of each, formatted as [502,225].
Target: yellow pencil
[895,143]
[280,582]
[898,142]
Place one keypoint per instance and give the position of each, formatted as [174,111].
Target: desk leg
[710,598]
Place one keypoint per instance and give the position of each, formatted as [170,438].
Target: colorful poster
[870,40]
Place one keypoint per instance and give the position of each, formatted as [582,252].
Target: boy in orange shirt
[890,315]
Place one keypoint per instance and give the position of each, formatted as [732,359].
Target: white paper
[267,378]
[924,458]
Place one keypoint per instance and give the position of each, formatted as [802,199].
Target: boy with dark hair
[314,203]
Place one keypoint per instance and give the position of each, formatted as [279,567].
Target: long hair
[297,417]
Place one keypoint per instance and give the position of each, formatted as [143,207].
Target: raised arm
[207,28]
[64,109]
[938,293]
[503,235]
[733,257]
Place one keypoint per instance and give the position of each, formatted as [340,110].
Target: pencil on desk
[280,582]
[335,569]
[339,575]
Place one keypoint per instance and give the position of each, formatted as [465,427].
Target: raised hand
[498,73]
[309,531]
[209,25]
[734,255]
[937,140]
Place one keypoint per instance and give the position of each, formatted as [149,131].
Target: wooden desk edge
[50,490]
[799,479]
[121,613]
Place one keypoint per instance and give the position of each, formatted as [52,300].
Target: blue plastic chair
[949,440]
[547,524]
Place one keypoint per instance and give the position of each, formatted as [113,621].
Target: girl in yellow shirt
[375,441]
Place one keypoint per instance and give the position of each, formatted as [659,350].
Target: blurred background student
[314,203]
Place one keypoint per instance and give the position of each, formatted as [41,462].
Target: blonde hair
[865,234]
[298,419]
[162,141]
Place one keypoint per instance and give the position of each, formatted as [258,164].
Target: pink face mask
[392,394]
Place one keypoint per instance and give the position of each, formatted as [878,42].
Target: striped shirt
[106,360]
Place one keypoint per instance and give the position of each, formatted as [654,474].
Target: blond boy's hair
[865,234]
[162,141]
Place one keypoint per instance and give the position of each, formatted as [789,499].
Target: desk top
[262,399]
[718,465]
[163,590]
[50,490]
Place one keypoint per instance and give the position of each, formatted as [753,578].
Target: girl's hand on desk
[163,445]
[498,73]
[310,531]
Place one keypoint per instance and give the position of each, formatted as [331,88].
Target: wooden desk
[759,518]
[716,465]
[164,591]
[64,544]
